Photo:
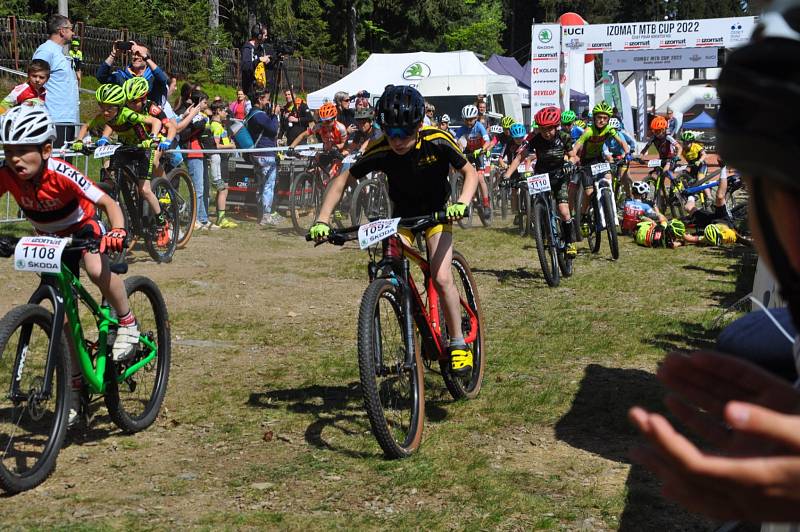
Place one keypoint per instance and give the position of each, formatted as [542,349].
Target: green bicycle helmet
[568,117]
[602,108]
[518,131]
[712,235]
[678,228]
[687,136]
[110,94]
[506,122]
[135,88]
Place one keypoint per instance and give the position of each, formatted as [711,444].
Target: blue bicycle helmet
[518,131]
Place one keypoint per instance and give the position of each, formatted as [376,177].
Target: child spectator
[218,139]
[32,90]
[76,55]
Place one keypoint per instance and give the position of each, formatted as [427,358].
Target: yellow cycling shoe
[460,360]
[572,250]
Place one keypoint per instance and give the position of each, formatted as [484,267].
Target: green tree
[480,32]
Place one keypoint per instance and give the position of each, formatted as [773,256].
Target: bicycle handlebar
[338,237]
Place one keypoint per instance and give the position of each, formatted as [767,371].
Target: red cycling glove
[113,240]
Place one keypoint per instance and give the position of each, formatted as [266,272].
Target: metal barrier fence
[19,39]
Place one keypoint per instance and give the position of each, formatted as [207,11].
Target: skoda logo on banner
[545,36]
[417,70]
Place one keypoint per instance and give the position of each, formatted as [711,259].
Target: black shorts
[72,258]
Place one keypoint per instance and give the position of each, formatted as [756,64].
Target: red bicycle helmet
[548,116]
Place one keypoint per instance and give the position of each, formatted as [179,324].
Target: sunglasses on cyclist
[399,132]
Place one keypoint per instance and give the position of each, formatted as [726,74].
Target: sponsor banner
[660,59]
[641,99]
[545,65]
[664,35]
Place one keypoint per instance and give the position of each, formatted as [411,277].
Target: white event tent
[380,70]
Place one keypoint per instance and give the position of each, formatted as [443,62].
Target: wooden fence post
[14,43]
[302,81]
[168,44]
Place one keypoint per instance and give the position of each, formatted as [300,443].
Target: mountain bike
[475,205]
[401,332]
[662,198]
[35,365]
[547,229]
[519,199]
[308,189]
[120,181]
[602,211]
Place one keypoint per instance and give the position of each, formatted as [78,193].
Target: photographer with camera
[141,65]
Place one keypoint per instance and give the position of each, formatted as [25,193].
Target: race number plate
[374,232]
[39,254]
[600,168]
[654,163]
[105,151]
[538,183]
[680,169]
[307,153]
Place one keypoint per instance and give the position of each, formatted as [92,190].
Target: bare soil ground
[263,426]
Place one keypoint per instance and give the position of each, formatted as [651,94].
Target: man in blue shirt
[263,125]
[141,65]
[62,87]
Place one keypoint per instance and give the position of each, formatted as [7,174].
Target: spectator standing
[263,124]
[191,139]
[62,87]
[141,65]
[480,103]
[76,55]
[672,123]
[219,140]
[241,106]
[344,114]
[254,52]
[429,112]
[296,117]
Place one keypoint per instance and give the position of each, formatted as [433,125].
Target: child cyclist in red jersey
[58,200]
[416,161]
[330,131]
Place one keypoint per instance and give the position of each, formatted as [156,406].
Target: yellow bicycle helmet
[712,235]
[110,94]
[135,88]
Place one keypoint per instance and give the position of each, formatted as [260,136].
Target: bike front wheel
[305,198]
[611,225]
[162,240]
[134,402]
[545,243]
[466,386]
[187,204]
[394,395]
[34,406]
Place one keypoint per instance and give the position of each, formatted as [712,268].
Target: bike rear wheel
[305,198]
[611,225]
[187,204]
[32,424]
[394,395]
[134,403]
[161,241]
[466,386]
[545,243]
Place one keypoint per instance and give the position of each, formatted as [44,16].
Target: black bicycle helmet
[401,106]
[759,82]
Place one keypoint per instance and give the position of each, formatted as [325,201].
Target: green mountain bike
[35,364]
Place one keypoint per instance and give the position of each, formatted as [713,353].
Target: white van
[450,93]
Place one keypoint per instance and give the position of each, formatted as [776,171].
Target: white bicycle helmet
[497,129]
[469,111]
[615,123]
[445,118]
[641,188]
[26,124]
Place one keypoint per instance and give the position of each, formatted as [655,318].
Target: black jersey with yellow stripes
[418,179]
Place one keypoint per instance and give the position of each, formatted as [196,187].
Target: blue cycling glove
[164,145]
[103,141]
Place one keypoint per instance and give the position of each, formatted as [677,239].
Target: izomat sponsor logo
[709,41]
[673,42]
[599,45]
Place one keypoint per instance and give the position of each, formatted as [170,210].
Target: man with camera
[141,65]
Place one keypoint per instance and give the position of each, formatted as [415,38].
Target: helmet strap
[788,279]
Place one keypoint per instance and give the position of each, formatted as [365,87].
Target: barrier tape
[62,154]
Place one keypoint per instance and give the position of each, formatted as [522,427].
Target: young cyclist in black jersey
[416,161]
[552,148]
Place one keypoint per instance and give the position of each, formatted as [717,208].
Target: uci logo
[417,70]
[545,36]
[573,30]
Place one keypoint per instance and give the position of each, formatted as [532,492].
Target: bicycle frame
[397,256]
[64,290]
[601,182]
